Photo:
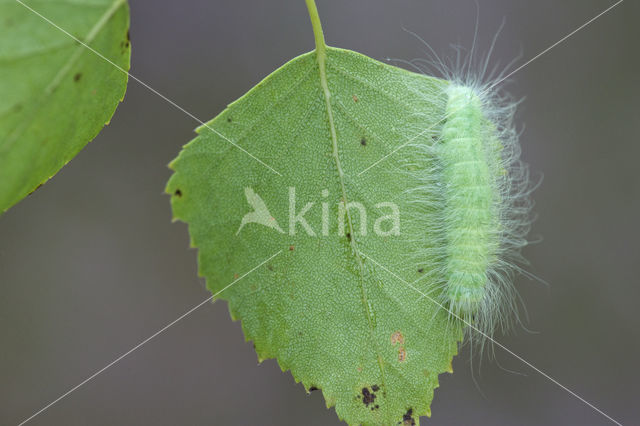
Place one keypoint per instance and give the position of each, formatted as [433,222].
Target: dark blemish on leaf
[402,355]
[397,337]
[377,406]
[270,267]
[178,193]
[236,276]
[291,248]
[355,98]
[77,77]
[36,188]
[375,388]
[349,236]
[407,418]
[128,38]
[363,142]
[421,270]
[313,388]
[368,397]
[229,119]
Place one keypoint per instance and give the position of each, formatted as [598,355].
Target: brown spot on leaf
[229,119]
[124,45]
[36,188]
[236,276]
[407,418]
[368,397]
[402,355]
[363,142]
[349,236]
[421,270]
[178,193]
[77,77]
[313,388]
[355,98]
[292,248]
[375,388]
[397,337]
[270,267]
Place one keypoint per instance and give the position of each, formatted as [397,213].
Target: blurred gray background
[90,264]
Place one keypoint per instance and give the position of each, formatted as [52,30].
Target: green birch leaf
[260,188]
[55,94]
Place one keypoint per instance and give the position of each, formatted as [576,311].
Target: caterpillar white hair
[473,197]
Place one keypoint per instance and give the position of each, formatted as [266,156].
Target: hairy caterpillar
[473,201]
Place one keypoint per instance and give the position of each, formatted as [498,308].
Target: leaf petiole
[317,29]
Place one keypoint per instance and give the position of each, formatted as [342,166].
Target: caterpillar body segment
[475,207]
[471,200]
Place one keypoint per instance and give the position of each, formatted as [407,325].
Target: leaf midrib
[321,57]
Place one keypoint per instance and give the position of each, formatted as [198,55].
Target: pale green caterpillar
[473,202]
[485,211]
